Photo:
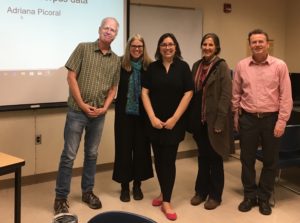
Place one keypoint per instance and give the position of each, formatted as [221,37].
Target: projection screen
[38,36]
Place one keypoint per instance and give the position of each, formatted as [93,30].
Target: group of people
[156,102]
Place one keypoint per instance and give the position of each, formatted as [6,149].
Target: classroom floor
[37,199]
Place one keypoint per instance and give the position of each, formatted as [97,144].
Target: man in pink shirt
[262,104]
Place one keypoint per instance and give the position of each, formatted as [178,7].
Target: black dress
[166,91]
[132,147]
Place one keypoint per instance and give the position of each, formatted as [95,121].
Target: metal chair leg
[284,185]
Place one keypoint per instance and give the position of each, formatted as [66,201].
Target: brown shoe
[91,199]
[61,206]
[196,200]
[211,204]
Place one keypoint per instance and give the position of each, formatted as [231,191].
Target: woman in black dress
[167,89]
[132,147]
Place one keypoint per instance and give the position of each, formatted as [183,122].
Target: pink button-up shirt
[263,87]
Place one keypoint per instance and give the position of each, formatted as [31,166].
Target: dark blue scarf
[134,89]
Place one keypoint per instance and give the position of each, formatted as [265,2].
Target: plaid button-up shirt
[96,73]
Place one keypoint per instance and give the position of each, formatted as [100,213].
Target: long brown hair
[127,57]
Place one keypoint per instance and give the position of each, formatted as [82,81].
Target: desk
[10,164]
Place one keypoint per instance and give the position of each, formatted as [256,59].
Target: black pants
[255,131]
[210,177]
[164,160]
[132,150]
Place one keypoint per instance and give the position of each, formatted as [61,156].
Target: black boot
[136,190]
[125,193]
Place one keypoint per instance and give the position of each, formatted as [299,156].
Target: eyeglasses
[165,45]
[137,46]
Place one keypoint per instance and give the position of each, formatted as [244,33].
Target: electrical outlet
[38,139]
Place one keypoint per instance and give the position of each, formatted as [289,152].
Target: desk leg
[18,195]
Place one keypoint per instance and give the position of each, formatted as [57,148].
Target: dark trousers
[255,131]
[164,160]
[132,150]
[210,177]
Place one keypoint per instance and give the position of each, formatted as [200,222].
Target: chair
[289,152]
[120,217]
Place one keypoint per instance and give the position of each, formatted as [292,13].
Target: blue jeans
[76,122]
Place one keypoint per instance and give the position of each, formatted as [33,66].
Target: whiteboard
[153,21]
[24,88]
[37,38]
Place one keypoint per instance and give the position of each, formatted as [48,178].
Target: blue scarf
[134,89]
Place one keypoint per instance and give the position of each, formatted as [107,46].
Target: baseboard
[45,177]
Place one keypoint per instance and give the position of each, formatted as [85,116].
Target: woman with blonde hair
[132,147]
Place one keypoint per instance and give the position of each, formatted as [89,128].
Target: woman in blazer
[210,121]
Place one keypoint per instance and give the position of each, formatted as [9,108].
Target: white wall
[17,137]
[233,28]
[292,50]
[187,34]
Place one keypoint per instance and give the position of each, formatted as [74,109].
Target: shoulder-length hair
[216,40]
[158,55]
[127,57]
